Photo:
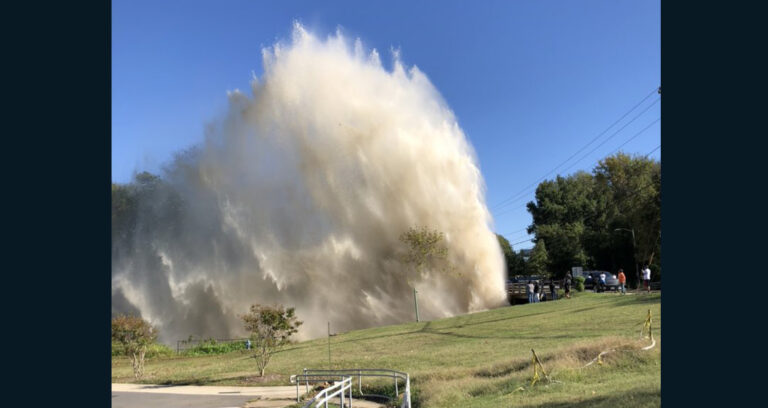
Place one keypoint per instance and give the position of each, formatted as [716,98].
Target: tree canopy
[424,246]
[589,220]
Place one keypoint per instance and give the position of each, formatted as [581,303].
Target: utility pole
[329,345]
[634,247]
[416,303]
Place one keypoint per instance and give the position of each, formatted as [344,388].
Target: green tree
[559,212]
[425,246]
[271,328]
[539,262]
[587,219]
[514,261]
[135,335]
[633,185]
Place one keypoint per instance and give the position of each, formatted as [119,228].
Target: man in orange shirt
[622,282]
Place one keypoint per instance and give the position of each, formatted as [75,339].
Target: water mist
[298,196]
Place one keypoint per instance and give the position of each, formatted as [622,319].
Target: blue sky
[531,82]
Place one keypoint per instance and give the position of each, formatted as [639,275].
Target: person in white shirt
[602,281]
[647,278]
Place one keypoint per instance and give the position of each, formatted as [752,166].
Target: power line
[520,242]
[509,210]
[519,236]
[582,148]
[528,189]
[521,229]
[637,134]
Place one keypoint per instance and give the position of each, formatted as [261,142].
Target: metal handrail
[365,372]
[327,394]
[306,379]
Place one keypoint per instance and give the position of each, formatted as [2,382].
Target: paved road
[147,395]
[191,396]
[142,399]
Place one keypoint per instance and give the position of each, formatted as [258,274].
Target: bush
[159,350]
[154,350]
[578,283]
[211,346]
[135,335]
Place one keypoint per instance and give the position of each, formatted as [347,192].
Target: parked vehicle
[592,277]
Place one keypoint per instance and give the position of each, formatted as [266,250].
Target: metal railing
[322,397]
[314,376]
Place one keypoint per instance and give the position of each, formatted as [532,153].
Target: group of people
[535,292]
[646,276]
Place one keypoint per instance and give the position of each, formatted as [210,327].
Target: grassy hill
[479,360]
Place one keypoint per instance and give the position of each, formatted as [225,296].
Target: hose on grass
[646,328]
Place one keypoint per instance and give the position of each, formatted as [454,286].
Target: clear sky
[531,82]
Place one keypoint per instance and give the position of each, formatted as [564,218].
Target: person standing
[602,282]
[647,278]
[529,291]
[552,290]
[622,282]
[567,284]
[536,290]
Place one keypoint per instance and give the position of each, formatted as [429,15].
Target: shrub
[579,283]
[154,350]
[135,335]
[212,346]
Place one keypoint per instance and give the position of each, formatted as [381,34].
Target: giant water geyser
[298,195]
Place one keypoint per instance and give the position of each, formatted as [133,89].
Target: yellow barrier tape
[536,368]
[647,326]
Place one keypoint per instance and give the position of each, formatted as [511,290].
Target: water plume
[298,196]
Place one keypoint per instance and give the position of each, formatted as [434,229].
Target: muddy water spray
[298,196]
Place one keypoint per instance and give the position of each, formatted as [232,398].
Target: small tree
[424,245]
[135,335]
[270,328]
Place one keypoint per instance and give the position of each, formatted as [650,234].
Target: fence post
[396,391]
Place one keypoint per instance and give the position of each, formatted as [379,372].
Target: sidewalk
[278,392]
[262,397]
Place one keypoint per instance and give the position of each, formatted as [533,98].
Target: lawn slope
[480,360]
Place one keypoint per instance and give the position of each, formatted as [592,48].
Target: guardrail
[315,376]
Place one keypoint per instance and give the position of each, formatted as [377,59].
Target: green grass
[479,360]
